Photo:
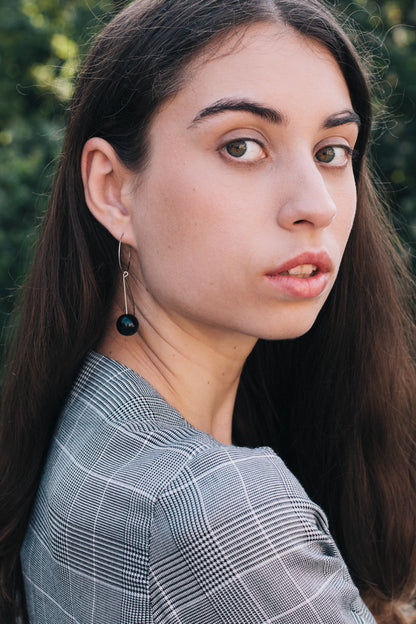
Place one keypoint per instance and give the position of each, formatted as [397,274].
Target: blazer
[141,518]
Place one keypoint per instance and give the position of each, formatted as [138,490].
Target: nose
[307,200]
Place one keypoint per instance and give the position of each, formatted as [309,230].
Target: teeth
[302,270]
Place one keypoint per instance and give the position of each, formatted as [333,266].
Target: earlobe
[103,176]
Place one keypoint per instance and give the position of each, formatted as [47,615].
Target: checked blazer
[142,519]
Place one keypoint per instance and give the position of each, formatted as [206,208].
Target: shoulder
[241,489]
[116,427]
[121,442]
[248,545]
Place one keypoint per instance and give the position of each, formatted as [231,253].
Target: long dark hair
[337,404]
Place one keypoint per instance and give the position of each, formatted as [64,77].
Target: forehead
[266,61]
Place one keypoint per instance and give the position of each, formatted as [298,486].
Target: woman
[212,203]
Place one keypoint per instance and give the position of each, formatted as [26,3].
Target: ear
[104,176]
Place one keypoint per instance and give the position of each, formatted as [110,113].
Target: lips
[320,260]
[305,276]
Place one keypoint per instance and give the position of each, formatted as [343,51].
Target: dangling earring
[127,324]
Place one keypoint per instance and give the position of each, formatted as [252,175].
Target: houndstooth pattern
[140,518]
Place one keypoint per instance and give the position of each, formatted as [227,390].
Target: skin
[227,197]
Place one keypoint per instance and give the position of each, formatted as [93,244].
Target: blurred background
[43,42]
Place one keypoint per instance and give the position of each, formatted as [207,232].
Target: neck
[195,369]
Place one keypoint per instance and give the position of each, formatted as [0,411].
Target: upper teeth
[302,270]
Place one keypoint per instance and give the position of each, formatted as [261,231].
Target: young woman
[214,277]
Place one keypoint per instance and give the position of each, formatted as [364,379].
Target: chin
[288,332]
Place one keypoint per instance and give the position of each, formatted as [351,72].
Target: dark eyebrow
[340,119]
[269,114]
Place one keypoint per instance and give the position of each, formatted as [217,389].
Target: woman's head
[145,57]
[240,217]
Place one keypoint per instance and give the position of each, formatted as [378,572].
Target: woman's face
[242,215]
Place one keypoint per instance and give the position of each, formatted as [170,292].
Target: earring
[127,324]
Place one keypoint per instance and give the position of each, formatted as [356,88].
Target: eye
[247,150]
[334,155]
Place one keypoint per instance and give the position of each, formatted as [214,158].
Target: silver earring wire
[125,272]
[127,324]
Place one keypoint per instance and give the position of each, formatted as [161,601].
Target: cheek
[345,198]
[189,208]
[350,209]
[185,231]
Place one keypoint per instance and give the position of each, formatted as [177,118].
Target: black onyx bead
[127,324]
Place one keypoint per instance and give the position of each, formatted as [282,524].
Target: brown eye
[326,154]
[334,155]
[245,150]
[236,148]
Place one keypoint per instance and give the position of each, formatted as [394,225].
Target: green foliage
[391,38]
[41,44]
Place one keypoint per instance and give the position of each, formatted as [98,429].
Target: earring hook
[119,255]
